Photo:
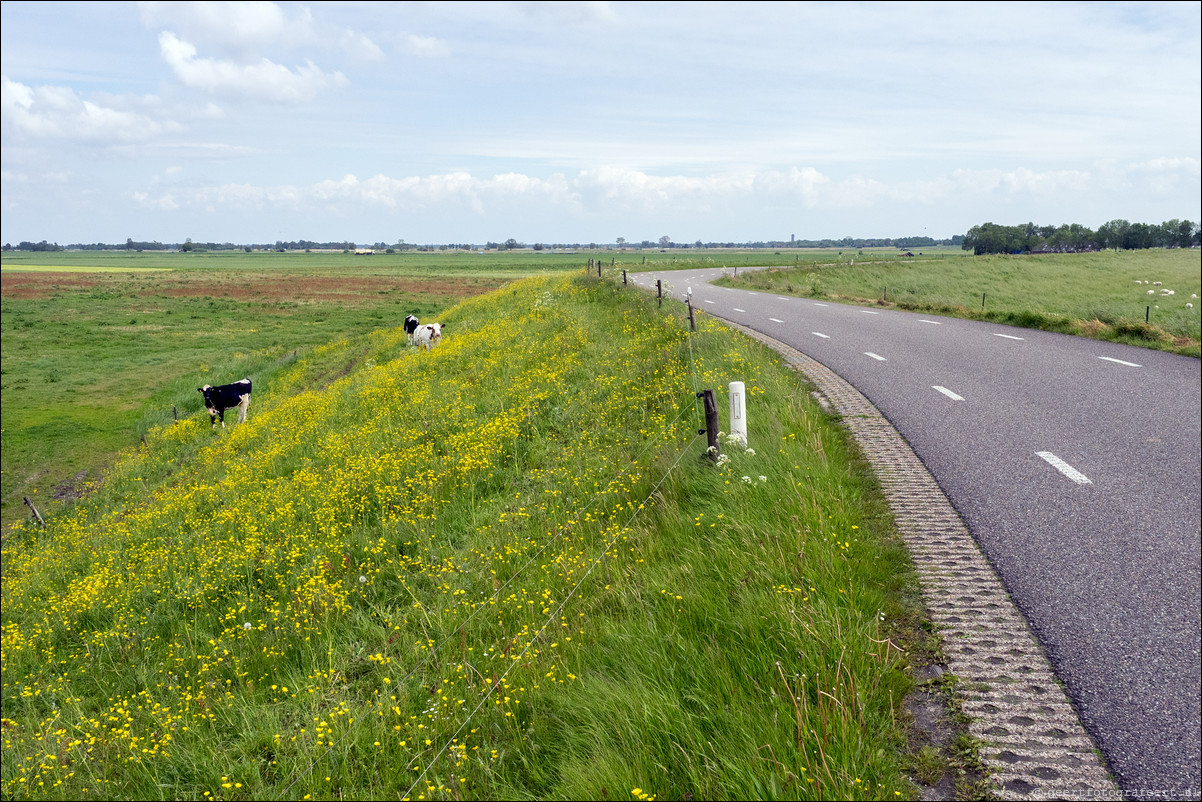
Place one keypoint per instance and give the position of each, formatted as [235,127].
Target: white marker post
[738,414]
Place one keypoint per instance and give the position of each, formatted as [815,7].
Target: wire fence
[435,650]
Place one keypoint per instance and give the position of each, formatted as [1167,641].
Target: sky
[560,122]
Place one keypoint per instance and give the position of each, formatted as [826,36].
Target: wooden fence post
[711,423]
[35,511]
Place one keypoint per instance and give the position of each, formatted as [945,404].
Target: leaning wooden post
[692,321]
[174,413]
[711,423]
[623,278]
[35,511]
[598,268]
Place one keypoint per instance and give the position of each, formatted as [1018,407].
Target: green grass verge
[1089,294]
[503,569]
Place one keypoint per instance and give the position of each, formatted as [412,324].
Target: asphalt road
[1076,465]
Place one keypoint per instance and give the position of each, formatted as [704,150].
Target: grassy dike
[501,569]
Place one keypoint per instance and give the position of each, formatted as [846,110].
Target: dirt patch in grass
[274,288]
[44,285]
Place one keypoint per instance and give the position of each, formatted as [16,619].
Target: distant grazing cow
[219,399]
[428,334]
[410,327]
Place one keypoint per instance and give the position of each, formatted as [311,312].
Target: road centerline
[1064,467]
[948,393]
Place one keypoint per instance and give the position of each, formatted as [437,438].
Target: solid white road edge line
[1064,467]
[948,393]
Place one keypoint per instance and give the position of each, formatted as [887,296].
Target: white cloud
[359,47]
[162,203]
[57,112]
[423,46]
[240,30]
[265,80]
[621,189]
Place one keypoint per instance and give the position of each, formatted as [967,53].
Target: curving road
[1076,465]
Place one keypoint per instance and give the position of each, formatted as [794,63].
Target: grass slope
[93,360]
[503,569]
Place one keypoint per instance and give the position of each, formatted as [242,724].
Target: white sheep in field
[1189,306]
[1151,292]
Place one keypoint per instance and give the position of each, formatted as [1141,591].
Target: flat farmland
[97,348]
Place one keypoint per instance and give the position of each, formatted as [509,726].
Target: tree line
[1115,235]
[981,239]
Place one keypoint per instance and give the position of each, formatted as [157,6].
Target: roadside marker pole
[738,413]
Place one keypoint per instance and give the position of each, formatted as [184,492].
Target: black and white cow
[410,327]
[428,335]
[226,396]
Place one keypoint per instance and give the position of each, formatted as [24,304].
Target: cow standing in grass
[226,396]
[428,334]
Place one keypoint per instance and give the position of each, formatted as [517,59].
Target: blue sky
[584,122]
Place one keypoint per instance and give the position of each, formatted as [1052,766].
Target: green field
[99,347]
[1088,294]
[502,569]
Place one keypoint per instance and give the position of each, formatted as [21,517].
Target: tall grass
[505,568]
[1090,294]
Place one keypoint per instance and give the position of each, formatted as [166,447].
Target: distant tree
[621,241]
[665,241]
[187,246]
[1112,234]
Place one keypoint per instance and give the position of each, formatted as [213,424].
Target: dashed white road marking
[1007,336]
[1064,467]
[869,312]
[709,302]
[737,309]
[820,334]
[1120,362]
[948,393]
[782,298]
[818,304]
[932,322]
[774,320]
[877,357]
